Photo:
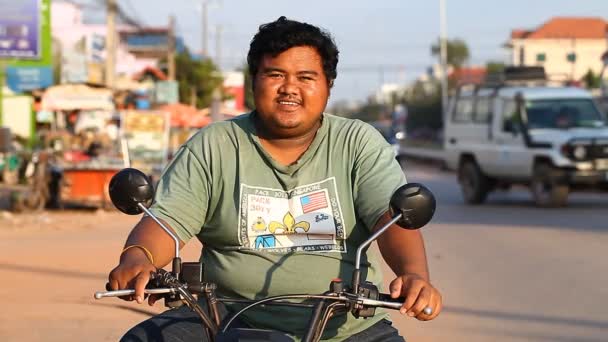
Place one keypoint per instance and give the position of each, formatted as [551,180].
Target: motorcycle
[412,206]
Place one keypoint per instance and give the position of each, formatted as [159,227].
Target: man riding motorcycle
[280,198]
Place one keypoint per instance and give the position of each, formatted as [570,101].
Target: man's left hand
[419,294]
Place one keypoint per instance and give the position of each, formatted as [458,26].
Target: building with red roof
[468,75]
[567,47]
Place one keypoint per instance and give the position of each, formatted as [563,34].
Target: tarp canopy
[77,97]
[186,116]
[225,112]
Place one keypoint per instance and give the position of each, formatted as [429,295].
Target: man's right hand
[133,272]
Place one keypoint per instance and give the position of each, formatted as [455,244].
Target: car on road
[518,129]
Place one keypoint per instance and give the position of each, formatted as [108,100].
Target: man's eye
[274,75]
[306,78]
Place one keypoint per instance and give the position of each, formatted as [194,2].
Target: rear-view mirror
[415,203]
[128,188]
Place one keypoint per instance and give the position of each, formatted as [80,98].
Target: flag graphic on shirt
[314,201]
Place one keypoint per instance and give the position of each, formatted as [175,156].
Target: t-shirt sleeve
[377,174]
[183,192]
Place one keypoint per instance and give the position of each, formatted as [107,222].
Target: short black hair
[282,34]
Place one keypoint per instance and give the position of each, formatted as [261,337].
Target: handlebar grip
[129,292]
[385,301]
[385,297]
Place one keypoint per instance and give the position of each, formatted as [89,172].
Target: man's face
[290,92]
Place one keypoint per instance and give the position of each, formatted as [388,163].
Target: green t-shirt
[270,229]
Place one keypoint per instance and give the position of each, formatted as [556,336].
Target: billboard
[19,115]
[166,92]
[74,66]
[20,29]
[20,79]
[234,85]
[147,136]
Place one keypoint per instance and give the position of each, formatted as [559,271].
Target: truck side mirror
[511,126]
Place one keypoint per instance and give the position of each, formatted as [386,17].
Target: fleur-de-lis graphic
[289,225]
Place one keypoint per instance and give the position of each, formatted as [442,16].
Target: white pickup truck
[553,139]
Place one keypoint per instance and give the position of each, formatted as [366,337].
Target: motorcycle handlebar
[120,293]
[384,301]
[154,276]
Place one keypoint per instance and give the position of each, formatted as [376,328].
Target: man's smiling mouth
[289,103]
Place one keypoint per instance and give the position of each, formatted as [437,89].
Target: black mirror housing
[415,202]
[128,188]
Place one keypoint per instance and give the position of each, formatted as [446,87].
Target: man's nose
[288,86]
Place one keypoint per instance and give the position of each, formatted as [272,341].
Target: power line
[121,14]
[133,11]
[381,67]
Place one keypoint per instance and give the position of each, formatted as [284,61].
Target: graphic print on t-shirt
[307,218]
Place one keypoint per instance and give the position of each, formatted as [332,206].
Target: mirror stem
[357,272]
[167,230]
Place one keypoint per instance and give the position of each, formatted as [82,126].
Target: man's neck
[287,150]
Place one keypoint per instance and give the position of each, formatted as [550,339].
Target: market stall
[85,136]
[146,139]
[185,121]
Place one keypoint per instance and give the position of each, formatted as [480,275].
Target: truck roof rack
[513,75]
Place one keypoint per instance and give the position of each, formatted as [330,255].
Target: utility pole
[216,96]
[193,96]
[171,48]
[381,75]
[218,46]
[205,30]
[110,43]
[443,42]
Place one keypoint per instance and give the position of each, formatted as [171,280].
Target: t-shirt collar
[305,157]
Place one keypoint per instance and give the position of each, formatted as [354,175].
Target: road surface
[508,271]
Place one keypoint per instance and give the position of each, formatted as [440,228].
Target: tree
[57,58]
[494,67]
[424,107]
[591,80]
[370,112]
[458,52]
[200,75]
[249,103]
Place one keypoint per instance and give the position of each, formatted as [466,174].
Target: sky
[381,41]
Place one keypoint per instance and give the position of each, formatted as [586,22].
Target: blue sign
[166,92]
[21,79]
[96,47]
[20,29]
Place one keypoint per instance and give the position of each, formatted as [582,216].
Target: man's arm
[135,266]
[403,250]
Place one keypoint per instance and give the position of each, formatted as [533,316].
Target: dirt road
[52,263]
[508,272]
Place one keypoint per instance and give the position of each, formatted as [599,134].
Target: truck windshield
[563,114]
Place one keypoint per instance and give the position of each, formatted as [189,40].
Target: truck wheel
[474,184]
[546,187]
